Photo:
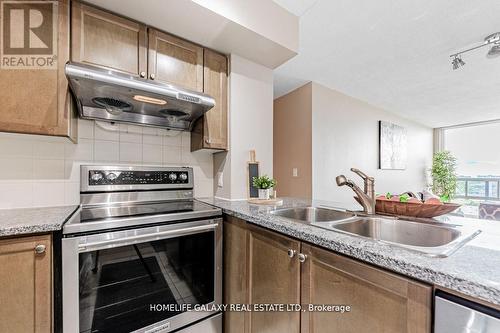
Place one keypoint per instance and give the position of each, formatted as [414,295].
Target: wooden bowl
[413,209]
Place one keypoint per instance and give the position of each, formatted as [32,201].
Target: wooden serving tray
[270,202]
[413,209]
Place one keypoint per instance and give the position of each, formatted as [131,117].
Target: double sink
[431,238]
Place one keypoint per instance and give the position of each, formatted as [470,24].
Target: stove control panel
[139,177]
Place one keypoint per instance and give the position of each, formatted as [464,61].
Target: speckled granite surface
[23,221]
[473,270]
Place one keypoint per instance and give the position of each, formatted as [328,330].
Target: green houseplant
[264,184]
[444,177]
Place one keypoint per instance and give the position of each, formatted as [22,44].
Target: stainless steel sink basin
[434,239]
[431,238]
[313,214]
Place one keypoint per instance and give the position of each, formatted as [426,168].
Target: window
[477,150]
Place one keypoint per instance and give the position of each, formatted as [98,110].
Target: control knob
[183,176]
[111,176]
[172,176]
[96,176]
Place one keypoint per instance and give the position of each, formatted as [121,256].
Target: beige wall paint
[292,126]
[345,135]
[250,127]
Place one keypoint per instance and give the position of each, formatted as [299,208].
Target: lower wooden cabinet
[26,284]
[235,272]
[273,278]
[380,301]
[259,270]
[263,267]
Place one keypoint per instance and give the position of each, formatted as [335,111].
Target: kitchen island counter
[473,270]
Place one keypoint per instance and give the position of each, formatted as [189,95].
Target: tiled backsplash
[40,171]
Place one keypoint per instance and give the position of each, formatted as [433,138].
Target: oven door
[141,280]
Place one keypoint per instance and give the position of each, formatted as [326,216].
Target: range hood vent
[113,96]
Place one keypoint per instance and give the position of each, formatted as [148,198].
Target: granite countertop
[473,270]
[22,221]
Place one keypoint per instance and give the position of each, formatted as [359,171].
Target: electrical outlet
[295,172]
[220,179]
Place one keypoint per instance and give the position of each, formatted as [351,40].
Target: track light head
[494,51]
[493,38]
[457,62]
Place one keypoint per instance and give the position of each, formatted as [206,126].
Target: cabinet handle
[142,74]
[39,249]
[291,253]
[152,76]
[302,257]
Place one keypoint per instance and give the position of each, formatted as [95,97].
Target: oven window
[119,286]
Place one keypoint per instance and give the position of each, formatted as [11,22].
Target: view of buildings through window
[478,164]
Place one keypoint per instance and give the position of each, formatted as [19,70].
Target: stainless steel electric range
[141,255]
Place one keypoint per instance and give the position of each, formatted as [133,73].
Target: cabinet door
[103,39]
[380,301]
[35,99]
[274,277]
[176,61]
[25,285]
[210,131]
[235,272]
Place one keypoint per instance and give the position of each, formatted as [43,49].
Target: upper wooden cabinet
[35,99]
[380,301]
[103,39]
[26,284]
[210,131]
[176,61]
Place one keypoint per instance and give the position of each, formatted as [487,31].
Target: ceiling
[394,54]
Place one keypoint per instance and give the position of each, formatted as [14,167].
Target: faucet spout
[365,197]
[341,180]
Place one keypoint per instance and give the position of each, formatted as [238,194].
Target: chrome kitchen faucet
[365,198]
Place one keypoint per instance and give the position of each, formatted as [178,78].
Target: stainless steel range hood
[117,97]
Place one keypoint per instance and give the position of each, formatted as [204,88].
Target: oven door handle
[109,243]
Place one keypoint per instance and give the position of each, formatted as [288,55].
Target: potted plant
[264,184]
[444,178]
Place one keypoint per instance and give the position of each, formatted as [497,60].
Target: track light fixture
[494,52]
[457,62]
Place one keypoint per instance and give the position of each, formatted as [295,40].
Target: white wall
[250,126]
[265,17]
[345,135]
[38,171]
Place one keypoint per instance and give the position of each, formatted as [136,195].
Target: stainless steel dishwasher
[457,315]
